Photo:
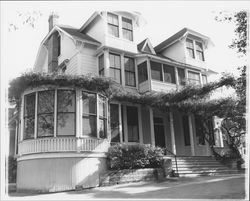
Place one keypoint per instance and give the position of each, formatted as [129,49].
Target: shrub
[122,156]
[12,168]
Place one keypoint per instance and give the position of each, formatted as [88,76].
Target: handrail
[175,157]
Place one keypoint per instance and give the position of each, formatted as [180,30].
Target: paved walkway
[212,187]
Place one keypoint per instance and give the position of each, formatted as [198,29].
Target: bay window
[194,78]
[129,66]
[29,116]
[127,29]
[142,72]
[181,76]
[101,65]
[115,67]
[113,25]
[169,74]
[156,71]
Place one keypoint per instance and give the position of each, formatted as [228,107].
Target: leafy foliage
[123,156]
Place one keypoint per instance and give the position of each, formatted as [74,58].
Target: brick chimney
[53,20]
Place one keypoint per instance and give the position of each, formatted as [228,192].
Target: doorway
[159,132]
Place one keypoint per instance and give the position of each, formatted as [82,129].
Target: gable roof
[146,46]
[183,32]
[75,33]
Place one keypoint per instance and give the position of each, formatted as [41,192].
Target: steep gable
[146,47]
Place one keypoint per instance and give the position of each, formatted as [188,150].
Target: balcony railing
[62,144]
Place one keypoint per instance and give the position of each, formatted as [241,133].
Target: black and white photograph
[124,100]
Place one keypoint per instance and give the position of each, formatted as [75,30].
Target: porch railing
[63,144]
[168,152]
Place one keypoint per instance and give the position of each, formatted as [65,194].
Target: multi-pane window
[89,114]
[101,65]
[113,25]
[66,112]
[190,47]
[102,117]
[142,72]
[29,116]
[45,113]
[186,132]
[132,124]
[127,29]
[169,74]
[114,123]
[199,50]
[129,65]
[115,67]
[204,79]
[181,76]
[156,71]
[193,78]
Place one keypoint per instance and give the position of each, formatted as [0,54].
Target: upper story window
[113,25]
[129,66]
[204,79]
[142,72]
[169,74]
[156,71]
[181,76]
[194,78]
[115,67]
[127,29]
[199,50]
[190,47]
[101,65]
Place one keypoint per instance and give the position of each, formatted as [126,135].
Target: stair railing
[167,151]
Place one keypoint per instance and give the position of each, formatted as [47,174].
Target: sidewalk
[207,187]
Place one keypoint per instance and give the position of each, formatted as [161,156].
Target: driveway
[207,187]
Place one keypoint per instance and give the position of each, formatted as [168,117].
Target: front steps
[190,166]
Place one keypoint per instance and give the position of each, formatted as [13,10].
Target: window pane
[156,71]
[29,102]
[204,79]
[89,126]
[200,55]
[189,44]
[181,76]
[129,64]
[88,103]
[115,61]
[66,124]
[130,79]
[29,125]
[194,78]
[169,74]
[65,101]
[115,74]
[46,101]
[45,125]
[102,128]
[127,34]
[113,30]
[142,72]
[102,108]
[132,122]
[126,23]
[101,62]
[198,46]
[114,123]
[191,52]
[112,19]
[185,125]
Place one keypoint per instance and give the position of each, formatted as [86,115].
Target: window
[204,79]
[29,116]
[199,50]
[181,76]
[102,117]
[132,124]
[114,123]
[58,45]
[127,29]
[66,112]
[169,74]
[89,114]
[185,125]
[101,65]
[190,48]
[45,113]
[156,71]
[194,78]
[113,25]
[115,67]
[142,72]
[129,65]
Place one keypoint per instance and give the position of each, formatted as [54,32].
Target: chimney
[53,19]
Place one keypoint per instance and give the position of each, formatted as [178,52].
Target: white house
[64,132]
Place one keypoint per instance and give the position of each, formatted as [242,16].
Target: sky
[163,18]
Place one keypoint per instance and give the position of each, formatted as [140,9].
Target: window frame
[99,65]
[190,48]
[199,51]
[192,78]
[127,29]
[112,24]
[115,68]
[126,72]
[142,72]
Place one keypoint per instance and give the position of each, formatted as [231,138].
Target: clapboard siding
[88,60]
[72,66]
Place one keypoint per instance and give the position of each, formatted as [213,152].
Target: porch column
[172,132]
[152,130]
[191,134]
[140,125]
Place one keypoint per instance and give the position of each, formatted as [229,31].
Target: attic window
[113,25]
[127,29]
[190,48]
[199,50]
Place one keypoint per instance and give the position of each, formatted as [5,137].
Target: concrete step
[181,169]
[203,173]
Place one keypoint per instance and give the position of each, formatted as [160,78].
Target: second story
[105,46]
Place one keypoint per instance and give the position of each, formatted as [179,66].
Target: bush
[122,156]
[12,168]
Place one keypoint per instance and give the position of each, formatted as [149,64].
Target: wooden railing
[62,144]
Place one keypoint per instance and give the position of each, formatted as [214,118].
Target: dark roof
[174,37]
[141,44]
[78,35]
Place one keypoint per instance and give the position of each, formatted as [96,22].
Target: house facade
[64,132]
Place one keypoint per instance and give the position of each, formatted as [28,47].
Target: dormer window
[113,25]
[199,50]
[127,29]
[190,47]
[195,49]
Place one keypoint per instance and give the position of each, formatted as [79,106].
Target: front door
[159,132]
